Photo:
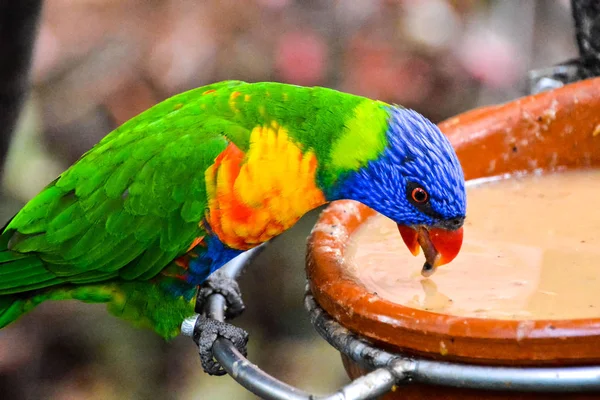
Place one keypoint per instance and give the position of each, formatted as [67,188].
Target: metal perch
[388,369]
[260,383]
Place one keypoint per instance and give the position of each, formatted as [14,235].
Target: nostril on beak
[452,223]
[456,222]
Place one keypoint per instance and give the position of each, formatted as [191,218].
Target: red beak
[440,246]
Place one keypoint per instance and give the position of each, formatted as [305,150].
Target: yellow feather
[276,184]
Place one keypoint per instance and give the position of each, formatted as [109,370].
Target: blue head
[416,181]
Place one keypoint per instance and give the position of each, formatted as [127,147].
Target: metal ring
[538,379]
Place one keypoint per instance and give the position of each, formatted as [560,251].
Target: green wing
[133,203]
[127,208]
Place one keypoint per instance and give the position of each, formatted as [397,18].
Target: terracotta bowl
[549,131]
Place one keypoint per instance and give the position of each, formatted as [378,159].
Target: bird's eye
[420,198]
[419,195]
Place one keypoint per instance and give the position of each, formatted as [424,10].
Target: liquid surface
[531,251]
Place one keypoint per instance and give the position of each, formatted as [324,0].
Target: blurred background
[98,63]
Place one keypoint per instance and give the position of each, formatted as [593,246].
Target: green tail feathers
[11,308]
[19,273]
[25,282]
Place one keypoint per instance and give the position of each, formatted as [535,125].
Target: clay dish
[549,131]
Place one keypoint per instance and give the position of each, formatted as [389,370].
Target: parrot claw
[228,287]
[206,332]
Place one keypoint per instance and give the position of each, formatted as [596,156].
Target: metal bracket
[543,79]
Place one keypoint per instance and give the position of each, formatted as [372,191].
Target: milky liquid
[531,251]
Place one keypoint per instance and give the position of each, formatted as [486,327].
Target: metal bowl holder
[388,369]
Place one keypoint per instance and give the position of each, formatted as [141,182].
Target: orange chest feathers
[255,196]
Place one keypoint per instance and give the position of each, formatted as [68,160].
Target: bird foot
[206,332]
[228,287]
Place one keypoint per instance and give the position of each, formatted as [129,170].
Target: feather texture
[173,194]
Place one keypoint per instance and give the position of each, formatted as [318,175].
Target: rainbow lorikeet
[145,216]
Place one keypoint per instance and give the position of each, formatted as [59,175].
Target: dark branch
[586,16]
[18,29]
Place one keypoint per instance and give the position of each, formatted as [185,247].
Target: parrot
[145,217]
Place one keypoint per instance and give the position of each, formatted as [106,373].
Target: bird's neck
[363,140]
